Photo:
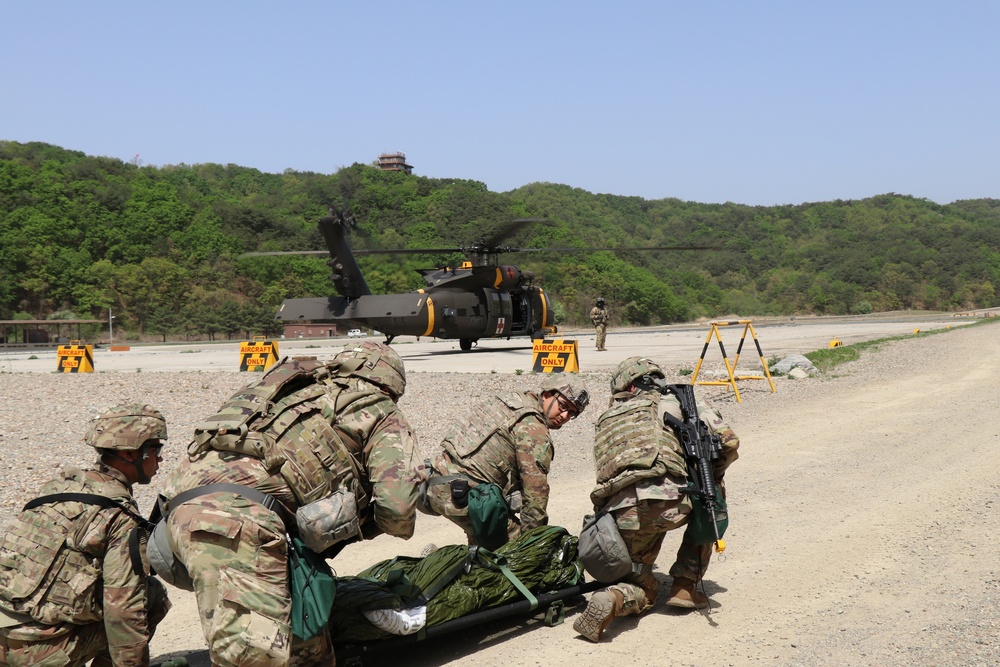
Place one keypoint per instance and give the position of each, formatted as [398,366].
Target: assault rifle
[701,449]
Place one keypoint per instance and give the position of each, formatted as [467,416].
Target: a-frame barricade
[731,368]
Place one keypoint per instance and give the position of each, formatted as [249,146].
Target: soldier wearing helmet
[73,588]
[599,316]
[503,441]
[641,474]
[317,450]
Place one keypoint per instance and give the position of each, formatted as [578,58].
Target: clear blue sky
[754,102]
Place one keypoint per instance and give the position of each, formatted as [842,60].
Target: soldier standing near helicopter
[599,316]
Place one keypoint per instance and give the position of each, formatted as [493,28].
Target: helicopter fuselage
[468,303]
[442,312]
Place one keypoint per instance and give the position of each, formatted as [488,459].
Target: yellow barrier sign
[75,358]
[258,356]
[555,356]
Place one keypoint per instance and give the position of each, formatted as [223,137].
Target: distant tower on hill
[394,162]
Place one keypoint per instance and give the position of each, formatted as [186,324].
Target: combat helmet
[600,301]
[126,427]
[376,362]
[570,386]
[632,369]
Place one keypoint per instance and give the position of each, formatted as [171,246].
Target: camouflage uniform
[505,441]
[599,316]
[650,507]
[67,573]
[335,431]
[639,480]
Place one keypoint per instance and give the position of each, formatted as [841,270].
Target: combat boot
[684,593]
[603,607]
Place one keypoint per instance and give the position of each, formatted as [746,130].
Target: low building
[310,331]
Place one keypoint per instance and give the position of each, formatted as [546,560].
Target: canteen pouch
[163,561]
[326,522]
[459,493]
[602,550]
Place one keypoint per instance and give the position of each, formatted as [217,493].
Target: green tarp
[544,559]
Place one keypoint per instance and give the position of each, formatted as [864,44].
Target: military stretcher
[406,600]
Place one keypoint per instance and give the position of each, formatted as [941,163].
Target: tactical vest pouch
[488,514]
[602,550]
[627,438]
[227,430]
[326,522]
[21,575]
[486,420]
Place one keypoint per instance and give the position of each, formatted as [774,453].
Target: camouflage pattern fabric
[235,549]
[505,441]
[646,510]
[127,427]
[67,565]
[599,316]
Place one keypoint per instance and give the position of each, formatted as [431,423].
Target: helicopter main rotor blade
[508,230]
[399,251]
[666,247]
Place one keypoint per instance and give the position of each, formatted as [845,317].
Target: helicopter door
[501,314]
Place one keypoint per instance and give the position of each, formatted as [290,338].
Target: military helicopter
[478,299]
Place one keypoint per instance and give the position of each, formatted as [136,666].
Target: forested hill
[161,245]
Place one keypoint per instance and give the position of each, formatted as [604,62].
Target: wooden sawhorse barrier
[731,369]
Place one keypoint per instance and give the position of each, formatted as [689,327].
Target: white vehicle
[356,333]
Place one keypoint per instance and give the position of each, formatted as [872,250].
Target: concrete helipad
[670,345]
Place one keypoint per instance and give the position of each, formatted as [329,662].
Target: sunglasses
[566,406]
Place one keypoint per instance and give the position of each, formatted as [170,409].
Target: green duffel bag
[701,519]
[488,513]
[312,587]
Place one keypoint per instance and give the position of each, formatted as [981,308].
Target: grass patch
[830,358]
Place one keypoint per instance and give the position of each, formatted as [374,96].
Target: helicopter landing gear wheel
[465,343]
[538,335]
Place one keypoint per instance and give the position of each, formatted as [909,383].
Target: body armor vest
[288,420]
[632,444]
[484,435]
[51,558]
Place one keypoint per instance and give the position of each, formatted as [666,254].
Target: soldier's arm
[125,616]
[730,442]
[533,452]
[392,469]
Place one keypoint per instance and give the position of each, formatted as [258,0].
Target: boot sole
[592,625]
[681,603]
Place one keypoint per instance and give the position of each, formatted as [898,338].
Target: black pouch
[460,493]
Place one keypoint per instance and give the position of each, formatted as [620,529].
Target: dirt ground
[862,532]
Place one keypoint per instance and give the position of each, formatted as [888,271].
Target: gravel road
[863,509]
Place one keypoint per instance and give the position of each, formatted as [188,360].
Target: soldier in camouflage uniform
[307,432]
[71,588]
[599,317]
[505,441]
[640,471]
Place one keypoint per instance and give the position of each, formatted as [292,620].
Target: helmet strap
[140,472]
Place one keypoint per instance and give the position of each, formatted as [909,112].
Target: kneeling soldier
[73,584]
